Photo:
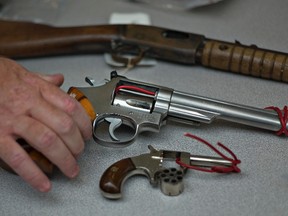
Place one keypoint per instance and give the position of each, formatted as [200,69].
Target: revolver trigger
[114,124]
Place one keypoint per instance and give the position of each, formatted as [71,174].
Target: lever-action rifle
[24,39]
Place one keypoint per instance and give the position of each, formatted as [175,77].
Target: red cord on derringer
[219,169]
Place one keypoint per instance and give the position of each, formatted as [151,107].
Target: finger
[56,79]
[61,124]
[72,107]
[63,101]
[46,141]
[15,156]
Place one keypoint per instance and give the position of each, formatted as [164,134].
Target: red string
[134,88]
[283,117]
[219,169]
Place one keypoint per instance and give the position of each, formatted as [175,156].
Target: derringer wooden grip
[247,60]
[113,178]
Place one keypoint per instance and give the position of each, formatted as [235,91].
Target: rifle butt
[26,39]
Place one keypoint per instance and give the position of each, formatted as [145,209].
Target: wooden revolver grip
[113,178]
[83,100]
[247,60]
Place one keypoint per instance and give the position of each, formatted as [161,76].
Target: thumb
[56,79]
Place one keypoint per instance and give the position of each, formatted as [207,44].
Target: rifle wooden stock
[25,40]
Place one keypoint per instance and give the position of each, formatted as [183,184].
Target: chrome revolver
[122,108]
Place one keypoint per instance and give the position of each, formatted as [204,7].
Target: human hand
[33,107]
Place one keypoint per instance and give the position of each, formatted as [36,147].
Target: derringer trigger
[114,124]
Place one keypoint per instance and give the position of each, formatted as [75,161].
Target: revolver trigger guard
[116,121]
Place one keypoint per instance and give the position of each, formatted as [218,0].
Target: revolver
[150,165]
[122,108]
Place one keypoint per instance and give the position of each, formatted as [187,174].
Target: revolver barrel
[190,107]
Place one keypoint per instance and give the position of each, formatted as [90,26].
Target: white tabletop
[262,186]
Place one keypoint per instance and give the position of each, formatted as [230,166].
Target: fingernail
[45,186]
[75,171]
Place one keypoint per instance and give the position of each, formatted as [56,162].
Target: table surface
[262,186]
